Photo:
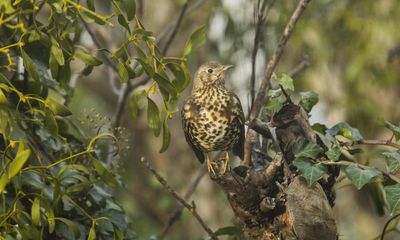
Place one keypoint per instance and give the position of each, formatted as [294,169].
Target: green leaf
[35,212]
[53,65]
[286,82]
[274,104]
[3,181]
[130,8]
[395,129]
[50,219]
[147,68]
[138,101]
[51,122]
[30,66]
[308,150]
[274,93]
[3,99]
[393,198]
[166,137]
[92,232]
[57,108]
[90,4]
[333,153]
[321,128]
[87,58]
[359,177]
[153,117]
[72,226]
[122,21]
[229,230]
[57,53]
[345,130]
[308,100]
[182,78]
[18,162]
[165,84]
[392,160]
[104,174]
[197,39]
[123,74]
[309,171]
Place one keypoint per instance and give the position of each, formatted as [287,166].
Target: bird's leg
[209,165]
[226,162]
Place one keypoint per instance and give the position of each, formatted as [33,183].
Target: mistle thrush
[212,116]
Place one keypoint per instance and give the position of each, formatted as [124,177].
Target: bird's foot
[210,167]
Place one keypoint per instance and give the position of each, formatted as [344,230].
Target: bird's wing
[238,148]
[188,113]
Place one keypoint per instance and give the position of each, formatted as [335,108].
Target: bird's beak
[226,67]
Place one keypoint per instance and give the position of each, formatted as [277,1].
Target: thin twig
[261,15]
[125,92]
[379,142]
[387,224]
[261,95]
[99,46]
[174,216]
[176,27]
[345,163]
[299,67]
[190,207]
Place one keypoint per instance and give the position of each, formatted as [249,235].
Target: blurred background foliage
[351,48]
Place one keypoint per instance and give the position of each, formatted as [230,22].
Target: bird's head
[210,73]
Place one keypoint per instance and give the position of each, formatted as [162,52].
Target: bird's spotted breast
[210,117]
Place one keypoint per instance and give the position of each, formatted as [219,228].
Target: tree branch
[261,95]
[379,142]
[175,215]
[176,27]
[190,207]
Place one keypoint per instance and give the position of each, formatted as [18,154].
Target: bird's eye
[209,70]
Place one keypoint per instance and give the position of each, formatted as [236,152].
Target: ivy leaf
[392,160]
[123,74]
[321,128]
[359,177]
[345,130]
[87,58]
[153,117]
[395,129]
[308,100]
[166,137]
[306,149]
[274,104]
[311,172]
[333,153]
[195,41]
[393,198]
[286,82]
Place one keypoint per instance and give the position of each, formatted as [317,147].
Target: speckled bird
[212,116]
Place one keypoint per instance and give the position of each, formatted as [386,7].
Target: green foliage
[308,100]
[346,131]
[393,198]
[359,177]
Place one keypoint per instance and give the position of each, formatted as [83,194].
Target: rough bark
[272,201]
